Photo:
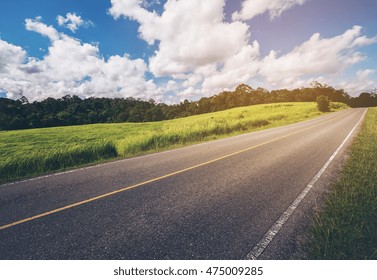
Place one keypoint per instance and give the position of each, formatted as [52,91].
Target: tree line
[72,110]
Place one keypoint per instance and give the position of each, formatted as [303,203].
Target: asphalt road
[209,201]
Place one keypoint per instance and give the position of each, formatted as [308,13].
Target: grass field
[346,228]
[26,153]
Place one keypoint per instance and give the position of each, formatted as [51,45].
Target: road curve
[209,201]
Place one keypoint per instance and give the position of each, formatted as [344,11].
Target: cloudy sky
[183,49]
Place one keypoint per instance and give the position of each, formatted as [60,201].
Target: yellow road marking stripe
[155,179]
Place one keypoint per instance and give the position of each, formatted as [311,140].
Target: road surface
[215,200]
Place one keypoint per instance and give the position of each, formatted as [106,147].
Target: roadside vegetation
[346,227]
[323,103]
[33,152]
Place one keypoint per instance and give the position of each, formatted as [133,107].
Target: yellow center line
[156,179]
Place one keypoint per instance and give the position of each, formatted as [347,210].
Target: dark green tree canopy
[72,110]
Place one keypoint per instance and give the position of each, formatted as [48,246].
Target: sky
[171,50]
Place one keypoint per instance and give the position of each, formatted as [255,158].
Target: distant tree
[365,99]
[323,103]
[23,100]
[72,110]
[154,114]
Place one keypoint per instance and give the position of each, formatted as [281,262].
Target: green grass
[32,152]
[346,228]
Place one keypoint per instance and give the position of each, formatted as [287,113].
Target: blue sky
[173,50]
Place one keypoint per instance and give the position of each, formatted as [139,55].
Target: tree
[154,114]
[72,110]
[323,103]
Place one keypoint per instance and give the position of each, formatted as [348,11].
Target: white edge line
[154,154]
[259,248]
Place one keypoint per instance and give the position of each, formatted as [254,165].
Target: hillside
[72,110]
[36,151]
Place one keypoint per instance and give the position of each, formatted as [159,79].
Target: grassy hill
[32,152]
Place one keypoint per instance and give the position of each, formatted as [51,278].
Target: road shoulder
[290,242]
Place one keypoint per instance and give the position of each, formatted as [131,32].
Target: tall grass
[184,134]
[57,159]
[37,151]
[346,228]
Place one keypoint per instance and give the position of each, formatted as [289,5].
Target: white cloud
[317,56]
[197,46]
[364,41]
[205,54]
[41,28]
[365,74]
[310,61]
[362,82]
[10,55]
[199,52]
[71,67]
[73,21]
[252,8]
[188,93]
[238,69]
[189,33]
[171,85]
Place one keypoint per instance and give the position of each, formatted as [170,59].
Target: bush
[323,103]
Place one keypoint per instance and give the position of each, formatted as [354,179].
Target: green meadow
[26,153]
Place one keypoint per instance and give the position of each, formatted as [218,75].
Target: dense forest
[72,110]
